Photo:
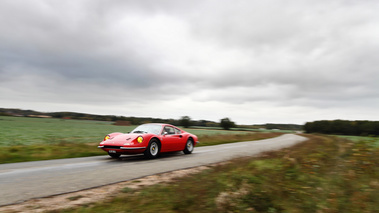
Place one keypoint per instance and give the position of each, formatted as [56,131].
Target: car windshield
[148,128]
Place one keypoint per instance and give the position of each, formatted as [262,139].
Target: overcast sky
[253,61]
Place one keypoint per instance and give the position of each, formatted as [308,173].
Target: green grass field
[371,140]
[29,139]
[29,131]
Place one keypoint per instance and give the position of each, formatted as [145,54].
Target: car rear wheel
[152,150]
[114,155]
[189,147]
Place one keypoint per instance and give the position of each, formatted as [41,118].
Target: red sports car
[149,139]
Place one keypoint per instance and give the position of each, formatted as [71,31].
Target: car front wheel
[152,150]
[189,147]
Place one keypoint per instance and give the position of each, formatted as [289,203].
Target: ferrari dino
[149,139]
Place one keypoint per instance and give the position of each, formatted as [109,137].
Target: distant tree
[185,121]
[226,123]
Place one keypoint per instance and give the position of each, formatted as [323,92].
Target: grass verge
[64,149]
[324,174]
[23,153]
[373,140]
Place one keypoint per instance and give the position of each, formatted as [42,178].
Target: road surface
[23,181]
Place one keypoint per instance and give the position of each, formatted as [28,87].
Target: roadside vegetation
[323,174]
[31,139]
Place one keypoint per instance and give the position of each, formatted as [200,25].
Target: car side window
[177,131]
[169,130]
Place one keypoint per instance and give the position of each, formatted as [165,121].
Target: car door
[172,139]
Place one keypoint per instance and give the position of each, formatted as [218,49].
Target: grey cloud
[328,53]
[296,53]
[57,39]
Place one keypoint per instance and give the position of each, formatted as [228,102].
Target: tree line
[343,127]
[184,121]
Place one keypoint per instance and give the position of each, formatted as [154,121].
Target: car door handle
[180,136]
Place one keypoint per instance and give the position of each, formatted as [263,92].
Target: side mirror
[165,133]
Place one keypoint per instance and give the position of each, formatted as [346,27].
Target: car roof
[156,124]
[161,124]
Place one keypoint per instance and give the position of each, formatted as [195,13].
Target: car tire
[189,147]
[114,155]
[153,149]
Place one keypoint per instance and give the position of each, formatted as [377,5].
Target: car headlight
[140,139]
[106,138]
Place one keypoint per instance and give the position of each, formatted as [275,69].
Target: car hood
[121,139]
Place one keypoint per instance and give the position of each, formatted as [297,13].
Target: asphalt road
[23,181]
